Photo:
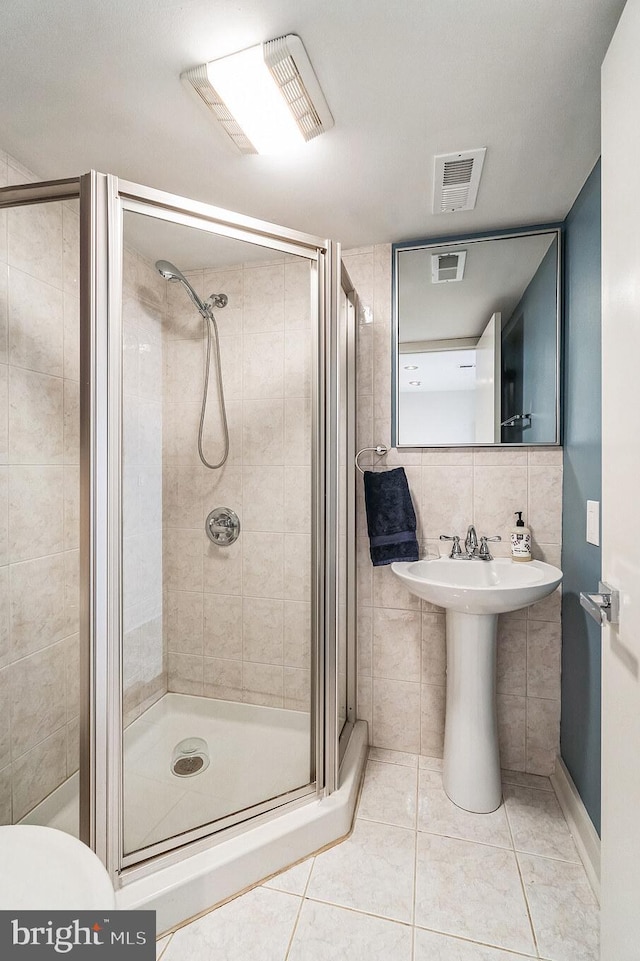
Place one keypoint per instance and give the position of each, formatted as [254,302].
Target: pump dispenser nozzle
[519,522]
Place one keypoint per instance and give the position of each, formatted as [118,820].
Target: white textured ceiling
[95,84]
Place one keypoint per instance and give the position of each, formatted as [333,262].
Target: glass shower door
[216,443]
[216,526]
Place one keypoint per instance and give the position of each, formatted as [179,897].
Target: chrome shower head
[171,273]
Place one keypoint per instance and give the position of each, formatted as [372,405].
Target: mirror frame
[455,241]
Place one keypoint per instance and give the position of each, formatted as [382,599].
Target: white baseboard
[581,825]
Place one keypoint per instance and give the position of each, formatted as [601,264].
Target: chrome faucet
[472,550]
[471,542]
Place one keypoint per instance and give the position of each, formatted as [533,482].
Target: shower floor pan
[255,753]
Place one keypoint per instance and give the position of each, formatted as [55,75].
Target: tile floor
[418,880]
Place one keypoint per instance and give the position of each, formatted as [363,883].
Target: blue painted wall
[581,562]
[536,316]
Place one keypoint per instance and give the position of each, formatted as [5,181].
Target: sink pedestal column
[471,775]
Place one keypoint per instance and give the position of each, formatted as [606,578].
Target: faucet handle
[456,550]
[484,551]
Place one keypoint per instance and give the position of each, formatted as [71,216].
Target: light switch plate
[593,522]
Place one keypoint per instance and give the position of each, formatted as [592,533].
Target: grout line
[506,780]
[415,865]
[377,760]
[294,928]
[455,837]
[169,937]
[522,884]
[547,857]
[473,488]
[308,881]
[303,898]
[368,914]
[487,944]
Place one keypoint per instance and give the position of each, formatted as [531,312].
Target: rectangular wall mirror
[476,355]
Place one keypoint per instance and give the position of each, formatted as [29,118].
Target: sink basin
[479,587]
[473,593]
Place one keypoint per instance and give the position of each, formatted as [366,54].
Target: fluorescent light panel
[266,97]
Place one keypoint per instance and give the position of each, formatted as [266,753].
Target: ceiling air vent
[456,180]
[446,268]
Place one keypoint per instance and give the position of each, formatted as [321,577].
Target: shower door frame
[103,200]
[350,404]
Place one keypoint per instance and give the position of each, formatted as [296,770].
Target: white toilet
[46,869]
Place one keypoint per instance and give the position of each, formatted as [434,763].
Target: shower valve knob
[222,526]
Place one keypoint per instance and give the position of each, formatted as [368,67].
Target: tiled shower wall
[401,666]
[39,456]
[237,619]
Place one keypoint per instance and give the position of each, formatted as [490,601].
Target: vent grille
[199,80]
[285,73]
[448,268]
[456,180]
[457,172]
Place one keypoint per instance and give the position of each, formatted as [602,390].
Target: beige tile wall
[401,667]
[144,314]
[237,619]
[39,481]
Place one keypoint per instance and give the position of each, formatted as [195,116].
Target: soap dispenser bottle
[520,540]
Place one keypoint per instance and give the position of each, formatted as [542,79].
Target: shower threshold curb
[180,891]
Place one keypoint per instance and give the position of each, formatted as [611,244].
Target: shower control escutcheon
[222,526]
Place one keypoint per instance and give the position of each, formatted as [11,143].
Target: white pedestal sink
[473,593]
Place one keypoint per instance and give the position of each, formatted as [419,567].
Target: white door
[620,488]
[488,361]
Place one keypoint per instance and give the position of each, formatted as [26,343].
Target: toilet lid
[46,869]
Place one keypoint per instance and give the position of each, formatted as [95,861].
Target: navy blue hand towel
[391,519]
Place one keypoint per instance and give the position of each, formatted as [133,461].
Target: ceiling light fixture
[267,97]
[411,367]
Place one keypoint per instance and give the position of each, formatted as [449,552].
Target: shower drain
[190,756]
[185,766]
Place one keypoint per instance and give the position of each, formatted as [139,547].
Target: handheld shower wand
[171,273]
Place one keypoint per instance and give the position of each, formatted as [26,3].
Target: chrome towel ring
[379,450]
